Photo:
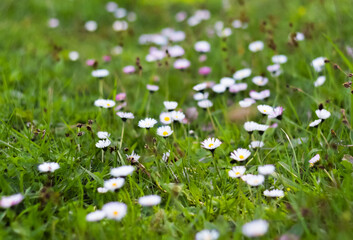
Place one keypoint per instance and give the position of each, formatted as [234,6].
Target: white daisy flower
[122,171]
[256,144]
[114,183]
[247,102]
[125,115]
[315,123]
[53,23]
[256,228]
[299,36]
[255,180]
[104,103]
[250,126]
[102,190]
[313,160]
[207,234]
[120,12]
[170,105]
[276,113]
[318,64]
[164,131]
[275,70]
[211,143]
[260,80]
[237,171]
[152,88]
[176,51]
[265,109]
[103,143]
[227,81]
[48,167]
[259,95]
[205,103]
[226,32]
[279,59]
[202,46]
[12,200]
[266,169]
[115,210]
[200,87]
[319,81]
[240,154]
[237,24]
[91,26]
[74,56]
[119,26]
[200,96]
[178,116]
[111,6]
[242,73]
[150,200]
[95,216]
[147,123]
[219,88]
[103,135]
[256,46]
[165,118]
[100,73]
[238,87]
[181,63]
[322,114]
[274,193]
[133,157]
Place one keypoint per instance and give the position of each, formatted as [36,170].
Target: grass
[44,95]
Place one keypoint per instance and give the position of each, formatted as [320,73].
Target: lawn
[250,130]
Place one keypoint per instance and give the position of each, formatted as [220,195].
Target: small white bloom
[255,180]
[250,126]
[219,88]
[147,123]
[122,171]
[315,123]
[256,228]
[91,26]
[103,143]
[150,200]
[240,154]
[237,24]
[322,114]
[95,216]
[238,87]
[111,6]
[152,88]
[102,190]
[320,81]
[276,113]
[260,80]
[274,193]
[119,26]
[227,81]
[114,210]
[133,157]
[165,118]
[164,131]
[201,96]
[259,95]
[100,73]
[207,234]
[120,12]
[313,160]
[103,135]
[237,171]
[318,64]
[265,109]
[279,59]
[170,105]
[74,56]
[181,63]
[205,103]
[211,143]
[275,70]
[256,46]
[242,73]
[166,156]
[200,86]
[247,102]
[9,201]
[125,115]
[299,36]
[176,51]
[48,167]
[114,183]
[202,46]
[266,169]
[256,144]
[178,116]
[53,22]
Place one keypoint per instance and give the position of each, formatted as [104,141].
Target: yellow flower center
[165,133]
[166,118]
[241,157]
[237,173]
[264,110]
[210,145]
[115,213]
[108,104]
[311,164]
[114,184]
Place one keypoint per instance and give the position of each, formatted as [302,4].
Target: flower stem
[209,114]
[101,87]
[102,155]
[122,136]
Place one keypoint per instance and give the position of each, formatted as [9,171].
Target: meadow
[175,119]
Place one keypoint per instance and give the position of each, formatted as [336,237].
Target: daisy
[104,103]
[259,95]
[274,193]
[299,36]
[100,73]
[114,183]
[322,114]
[276,113]
[279,59]
[255,180]
[313,160]
[247,102]
[211,143]
[266,169]
[103,135]
[114,210]
[256,228]
[207,234]
[237,171]
[120,97]
[205,103]
[260,80]
[219,88]
[95,216]
[147,123]
[265,109]
[180,16]
[103,143]
[200,87]
[237,24]
[125,115]
[226,32]
[242,73]
[48,167]
[129,69]
[150,200]
[165,118]
[9,201]
[91,26]
[261,128]
[250,126]
[178,116]
[102,190]
[176,51]
[315,123]
[318,64]
[238,87]
[200,96]
[152,88]
[240,154]
[256,46]
[227,81]
[275,70]
[202,46]
[74,56]
[256,144]
[133,157]
[53,22]
[181,64]
[319,81]
[170,105]
[111,6]
[119,26]
[204,71]
[122,171]
[120,12]
[164,131]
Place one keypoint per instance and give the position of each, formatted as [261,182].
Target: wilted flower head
[133,157]
[313,160]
